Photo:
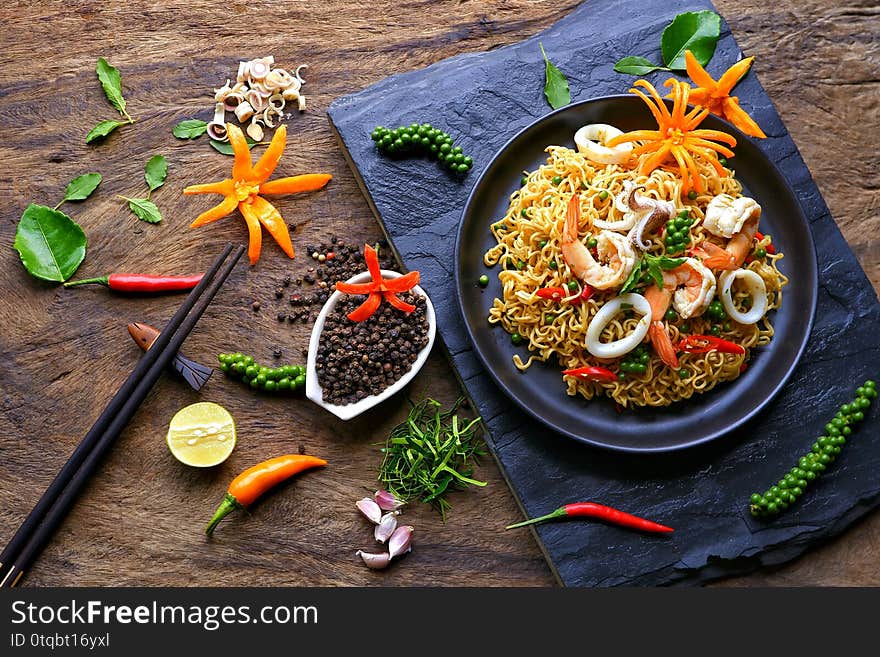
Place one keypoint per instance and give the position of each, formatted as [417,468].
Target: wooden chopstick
[53,506]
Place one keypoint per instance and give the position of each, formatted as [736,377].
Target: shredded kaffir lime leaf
[430,454]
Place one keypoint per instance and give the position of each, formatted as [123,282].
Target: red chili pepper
[769,248]
[586,293]
[601,374]
[701,344]
[142,282]
[552,293]
[600,511]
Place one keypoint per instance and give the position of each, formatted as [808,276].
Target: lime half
[201,435]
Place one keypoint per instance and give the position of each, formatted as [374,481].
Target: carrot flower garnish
[677,139]
[715,96]
[248,181]
[378,289]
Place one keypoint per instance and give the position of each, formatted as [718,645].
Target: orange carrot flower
[715,96]
[248,181]
[677,140]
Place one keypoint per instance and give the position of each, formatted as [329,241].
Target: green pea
[516,338]
[680,223]
[583,185]
[760,253]
[523,181]
[549,318]
[684,373]
[542,244]
[722,161]
[715,330]
[553,265]
[483,280]
[557,180]
[592,243]
[524,212]
[572,286]
[727,326]
[683,214]
[603,195]
[692,195]
[639,368]
[671,315]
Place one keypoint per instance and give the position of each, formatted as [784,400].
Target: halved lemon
[201,435]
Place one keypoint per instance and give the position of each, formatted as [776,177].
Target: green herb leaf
[697,31]
[655,272]
[665,262]
[637,66]
[190,129]
[633,278]
[155,172]
[112,83]
[101,130]
[81,187]
[555,84]
[144,209]
[225,148]
[51,244]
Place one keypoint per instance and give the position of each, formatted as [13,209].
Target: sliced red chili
[552,293]
[592,373]
[398,303]
[402,284]
[769,248]
[701,344]
[355,288]
[366,309]
[586,293]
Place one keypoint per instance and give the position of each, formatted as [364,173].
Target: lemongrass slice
[278,79]
[244,111]
[291,93]
[301,102]
[255,130]
[276,102]
[297,75]
[233,99]
[217,130]
[257,100]
[607,313]
[221,93]
[269,115]
[757,291]
[244,70]
[259,69]
[591,140]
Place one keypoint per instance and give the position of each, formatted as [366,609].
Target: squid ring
[591,140]
[756,288]
[606,313]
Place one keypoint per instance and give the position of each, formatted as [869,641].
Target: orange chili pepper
[715,96]
[247,183]
[253,482]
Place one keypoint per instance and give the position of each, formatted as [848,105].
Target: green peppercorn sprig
[287,378]
[824,451]
[678,234]
[424,139]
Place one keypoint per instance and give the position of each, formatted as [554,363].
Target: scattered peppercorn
[255,306]
[810,466]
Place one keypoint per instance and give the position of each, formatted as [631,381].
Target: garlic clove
[400,541]
[383,531]
[387,501]
[370,509]
[374,561]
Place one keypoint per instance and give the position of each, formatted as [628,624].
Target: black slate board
[484,99]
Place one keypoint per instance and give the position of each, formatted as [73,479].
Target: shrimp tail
[663,344]
[714,257]
[572,219]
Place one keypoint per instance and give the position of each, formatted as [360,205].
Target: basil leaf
[637,66]
[665,262]
[81,187]
[51,244]
[225,148]
[633,278]
[101,130]
[555,84]
[697,31]
[655,272]
[155,172]
[112,84]
[190,129]
[145,210]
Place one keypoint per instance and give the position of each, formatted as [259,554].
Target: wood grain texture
[64,352]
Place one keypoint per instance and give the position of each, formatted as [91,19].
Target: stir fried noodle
[530,252]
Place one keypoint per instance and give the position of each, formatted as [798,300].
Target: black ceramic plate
[540,391]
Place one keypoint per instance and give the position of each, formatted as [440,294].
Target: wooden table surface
[63,353]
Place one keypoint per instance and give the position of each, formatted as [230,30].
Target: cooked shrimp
[736,219]
[616,255]
[689,288]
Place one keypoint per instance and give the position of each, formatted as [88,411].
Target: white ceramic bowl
[313,388]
